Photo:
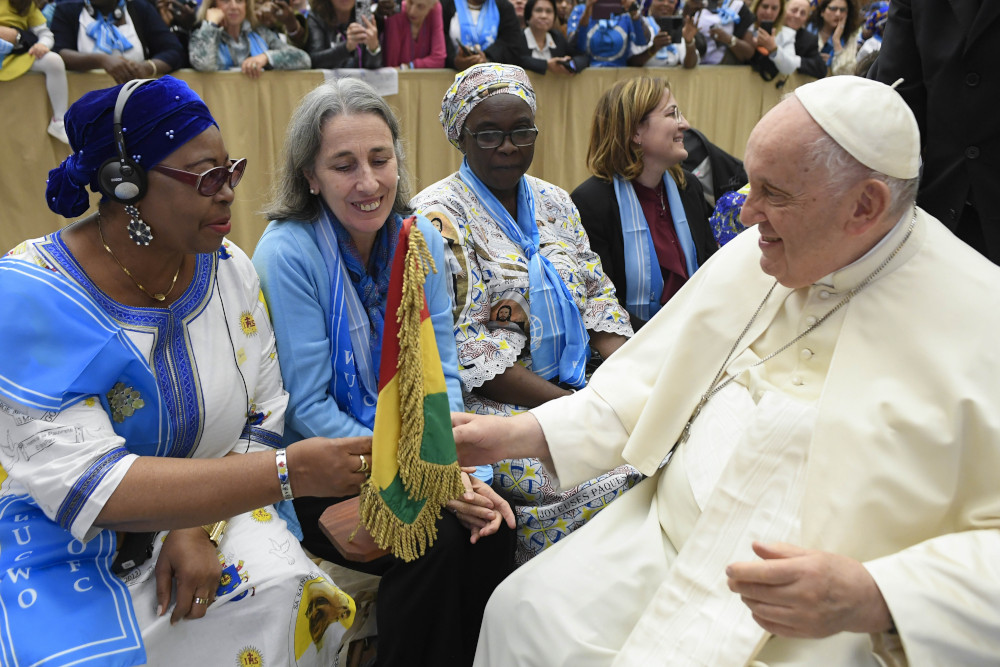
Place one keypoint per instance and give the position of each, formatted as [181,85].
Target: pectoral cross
[686,433]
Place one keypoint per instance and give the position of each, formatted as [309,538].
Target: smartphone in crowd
[673,26]
[362,8]
[569,65]
[766,25]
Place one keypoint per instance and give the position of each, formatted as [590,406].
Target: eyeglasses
[208,182]
[676,113]
[524,136]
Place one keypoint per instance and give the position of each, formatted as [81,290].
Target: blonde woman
[645,216]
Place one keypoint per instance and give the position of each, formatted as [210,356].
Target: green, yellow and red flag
[414,466]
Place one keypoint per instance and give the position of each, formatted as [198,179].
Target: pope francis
[818,415]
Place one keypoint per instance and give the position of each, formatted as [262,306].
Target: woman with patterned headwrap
[531,296]
[141,408]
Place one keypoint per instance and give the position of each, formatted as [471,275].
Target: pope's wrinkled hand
[802,593]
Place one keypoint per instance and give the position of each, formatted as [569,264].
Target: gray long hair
[290,198]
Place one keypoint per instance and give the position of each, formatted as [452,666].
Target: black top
[562,48]
[945,52]
[327,46]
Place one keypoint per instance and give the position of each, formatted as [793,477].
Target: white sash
[694,619]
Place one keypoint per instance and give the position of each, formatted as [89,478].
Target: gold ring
[364,464]
[203,601]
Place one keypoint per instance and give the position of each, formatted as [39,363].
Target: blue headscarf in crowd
[160,117]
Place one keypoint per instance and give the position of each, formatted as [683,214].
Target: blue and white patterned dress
[63,465]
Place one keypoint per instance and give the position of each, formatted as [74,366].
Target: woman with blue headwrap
[531,298]
[141,414]
[129,40]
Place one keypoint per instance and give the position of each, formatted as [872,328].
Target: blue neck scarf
[560,344]
[257,46]
[644,285]
[105,33]
[727,15]
[357,311]
[482,33]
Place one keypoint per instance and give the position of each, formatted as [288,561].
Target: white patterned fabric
[492,331]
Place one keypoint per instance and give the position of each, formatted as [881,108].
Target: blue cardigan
[296,286]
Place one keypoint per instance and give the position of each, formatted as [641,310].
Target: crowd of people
[147,38]
[679,440]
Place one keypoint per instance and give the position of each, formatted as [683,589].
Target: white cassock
[875,436]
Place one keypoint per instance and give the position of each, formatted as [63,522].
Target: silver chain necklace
[716,386]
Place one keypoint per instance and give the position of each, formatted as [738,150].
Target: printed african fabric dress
[95,384]
[493,332]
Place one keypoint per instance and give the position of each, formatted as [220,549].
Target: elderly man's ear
[872,201]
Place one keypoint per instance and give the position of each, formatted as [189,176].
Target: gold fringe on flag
[433,483]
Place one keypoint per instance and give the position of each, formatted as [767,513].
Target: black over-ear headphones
[118,14]
[120,178]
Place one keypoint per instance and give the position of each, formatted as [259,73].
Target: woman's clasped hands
[480,508]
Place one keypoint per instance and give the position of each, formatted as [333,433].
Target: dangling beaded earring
[138,230]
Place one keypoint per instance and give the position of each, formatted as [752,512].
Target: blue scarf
[560,344]
[357,312]
[482,33]
[257,47]
[70,589]
[727,15]
[644,285]
[105,33]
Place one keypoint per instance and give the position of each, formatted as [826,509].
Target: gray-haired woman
[324,263]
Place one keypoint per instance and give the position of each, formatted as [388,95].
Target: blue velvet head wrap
[159,118]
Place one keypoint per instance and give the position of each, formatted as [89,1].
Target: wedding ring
[203,601]
[364,464]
